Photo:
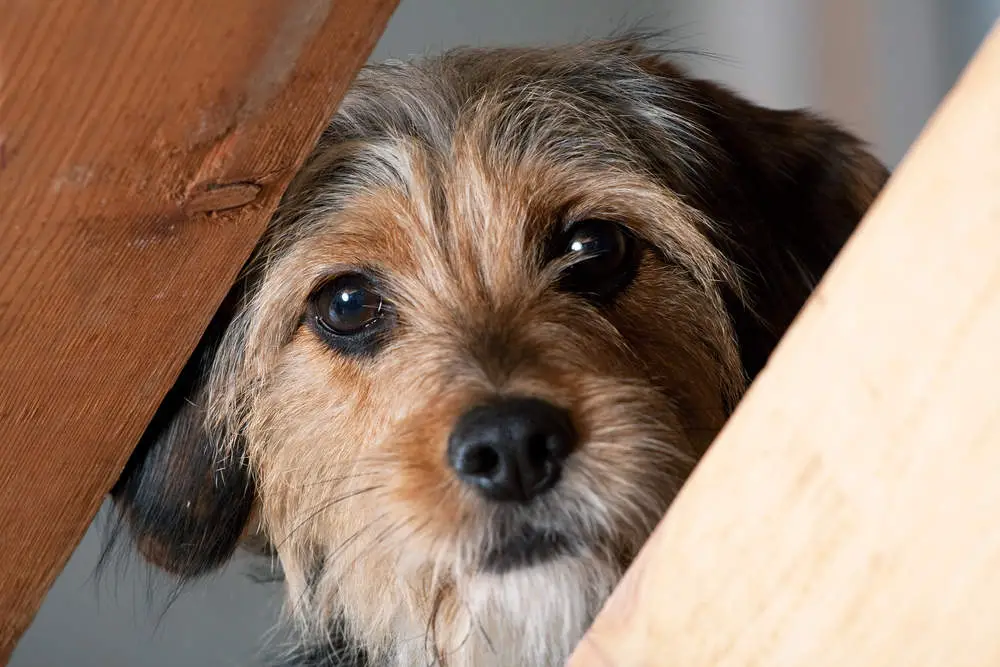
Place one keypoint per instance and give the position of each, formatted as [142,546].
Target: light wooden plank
[848,513]
[143,146]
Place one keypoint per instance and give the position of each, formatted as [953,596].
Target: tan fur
[350,455]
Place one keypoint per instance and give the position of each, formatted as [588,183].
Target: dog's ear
[787,189]
[184,504]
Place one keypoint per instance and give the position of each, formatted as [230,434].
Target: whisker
[322,508]
[431,645]
[339,478]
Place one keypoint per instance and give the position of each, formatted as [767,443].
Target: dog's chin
[534,596]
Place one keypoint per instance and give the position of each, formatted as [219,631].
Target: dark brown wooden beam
[143,146]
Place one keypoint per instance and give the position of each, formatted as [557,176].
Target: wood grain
[143,146]
[848,513]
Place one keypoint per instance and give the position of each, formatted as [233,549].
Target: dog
[497,318]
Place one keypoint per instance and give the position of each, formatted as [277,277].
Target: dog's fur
[448,180]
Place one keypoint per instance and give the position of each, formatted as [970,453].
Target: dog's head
[500,314]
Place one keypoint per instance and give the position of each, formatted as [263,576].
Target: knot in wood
[205,198]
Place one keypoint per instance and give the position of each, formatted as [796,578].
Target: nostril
[539,449]
[479,460]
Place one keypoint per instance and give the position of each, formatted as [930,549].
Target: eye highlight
[349,313]
[604,258]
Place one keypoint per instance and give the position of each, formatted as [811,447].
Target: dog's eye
[603,256]
[347,305]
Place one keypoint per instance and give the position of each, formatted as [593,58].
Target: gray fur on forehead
[594,100]
[588,108]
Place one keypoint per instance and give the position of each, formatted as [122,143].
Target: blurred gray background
[878,66]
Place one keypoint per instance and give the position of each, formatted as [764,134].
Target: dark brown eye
[604,258]
[349,313]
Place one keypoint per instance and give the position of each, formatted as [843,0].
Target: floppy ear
[185,506]
[788,192]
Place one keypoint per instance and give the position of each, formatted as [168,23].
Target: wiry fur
[447,179]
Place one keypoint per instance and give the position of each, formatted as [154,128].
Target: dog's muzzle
[510,451]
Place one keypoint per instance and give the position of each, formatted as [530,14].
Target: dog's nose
[511,449]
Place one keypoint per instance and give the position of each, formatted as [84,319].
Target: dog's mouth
[530,546]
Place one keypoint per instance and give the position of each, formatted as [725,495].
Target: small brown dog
[499,315]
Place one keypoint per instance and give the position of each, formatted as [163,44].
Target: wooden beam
[848,513]
[143,146]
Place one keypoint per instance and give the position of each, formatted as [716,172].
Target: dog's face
[500,314]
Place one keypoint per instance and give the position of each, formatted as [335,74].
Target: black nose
[512,449]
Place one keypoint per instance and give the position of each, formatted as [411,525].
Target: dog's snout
[513,449]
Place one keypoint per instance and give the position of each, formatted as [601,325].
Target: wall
[772,50]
